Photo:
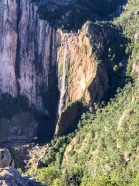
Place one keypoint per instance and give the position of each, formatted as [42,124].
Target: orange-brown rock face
[80,65]
[82,71]
[85,78]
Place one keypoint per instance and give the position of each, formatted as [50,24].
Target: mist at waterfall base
[63,85]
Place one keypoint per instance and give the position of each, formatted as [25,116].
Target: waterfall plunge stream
[63,87]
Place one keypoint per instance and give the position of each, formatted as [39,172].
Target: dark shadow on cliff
[111,52]
[9,106]
[46,128]
[115,59]
[69,118]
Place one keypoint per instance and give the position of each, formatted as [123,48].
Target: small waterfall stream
[63,87]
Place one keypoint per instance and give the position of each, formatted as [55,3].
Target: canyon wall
[36,60]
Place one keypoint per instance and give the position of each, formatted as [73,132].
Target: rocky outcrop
[82,67]
[9,176]
[5,158]
[28,52]
[28,157]
[124,116]
[86,78]
[135,69]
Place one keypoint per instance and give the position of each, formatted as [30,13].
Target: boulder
[5,158]
[9,176]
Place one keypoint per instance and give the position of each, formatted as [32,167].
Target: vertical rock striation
[37,55]
[28,51]
[8,46]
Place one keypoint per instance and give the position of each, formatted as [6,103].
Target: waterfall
[63,87]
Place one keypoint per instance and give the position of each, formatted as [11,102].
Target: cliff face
[8,46]
[27,52]
[83,74]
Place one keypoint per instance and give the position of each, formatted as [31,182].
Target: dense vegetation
[104,149]
[72,14]
[104,146]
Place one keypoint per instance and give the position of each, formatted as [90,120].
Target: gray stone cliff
[28,51]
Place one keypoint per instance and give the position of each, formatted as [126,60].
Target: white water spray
[63,87]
